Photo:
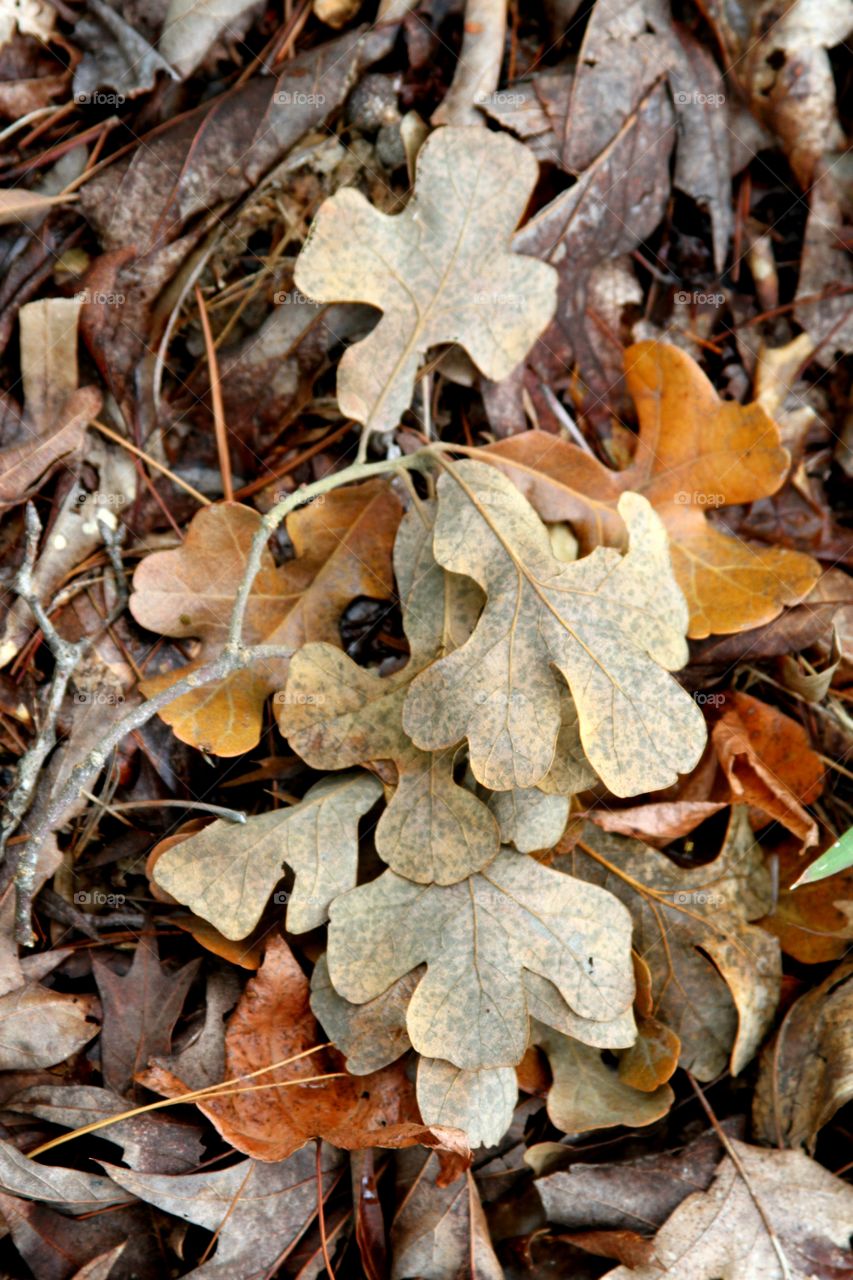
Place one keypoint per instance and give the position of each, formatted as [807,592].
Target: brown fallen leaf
[657,823]
[806,1070]
[609,623]
[477,939]
[56,409]
[438,1231]
[441,271]
[227,872]
[342,550]
[695,452]
[335,713]
[720,1232]
[651,1060]
[273,1021]
[769,763]
[715,977]
[141,1008]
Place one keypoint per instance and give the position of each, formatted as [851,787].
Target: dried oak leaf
[40,1027]
[226,873]
[715,977]
[612,624]
[807,1069]
[721,1232]
[273,1021]
[141,1008]
[335,714]
[341,550]
[441,271]
[477,938]
[479,1102]
[694,452]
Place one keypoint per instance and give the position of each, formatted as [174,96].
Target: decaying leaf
[341,550]
[720,1232]
[477,938]
[56,409]
[255,1209]
[70,1190]
[807,1069]
[439,1231]
[335,713]
[715,977]
[695,452]
[226,873]
[814,922]
[441,271]
[612,625]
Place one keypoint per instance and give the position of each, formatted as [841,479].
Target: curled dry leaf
[341,550]
[715,977]
[273,1021]
[720,1232]
[694,452]
[613,625]
[227,872]
[769,763]
[807,1069]
[70,1190]
[335,713]
[441,271]
[476,939]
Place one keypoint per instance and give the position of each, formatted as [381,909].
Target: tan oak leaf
[479,1102]
[441,271]
[477,938]
[336,714]
[695,452]
[612,624]
[341,550]
[226,872]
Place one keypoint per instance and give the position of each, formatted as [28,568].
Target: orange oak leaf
[273,1021]
[342,549]
[695,452]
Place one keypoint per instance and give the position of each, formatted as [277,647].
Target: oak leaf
[694,452]
[335,714]
[477,938]
[341,550]
[226,872]
[722,1232]
[273,1022]
[479,1102]
[613,625]
[715,977]
[441,271]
